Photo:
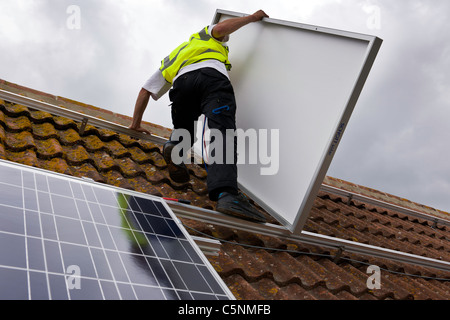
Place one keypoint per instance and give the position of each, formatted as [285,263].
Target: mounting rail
[389,206]
[77,116]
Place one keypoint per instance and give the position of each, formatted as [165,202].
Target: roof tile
[148,146]
[269,289]
[197,171]
[115,178]
[129,168]
[153,174]
[293,291]
[38,116]
[321,293]
[2,134]
[107,135]
[62,123]
[241,289]
[138,155]
[104,162]
[87,170]
[44,130]
[139,184]
[76,155]
[88,130]
[27,157]
[18,124]
[128,141]
[69,137]
[340,279]
[116,149]
[157,159]
[345,295]
[56,165]
[248,264]
[15,110]
[2,118]
[20,141]
[49,148]
[93,143]
[2,150]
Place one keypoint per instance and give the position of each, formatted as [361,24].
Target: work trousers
[207,91]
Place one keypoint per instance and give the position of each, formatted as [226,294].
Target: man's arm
[141,105]
[227,27]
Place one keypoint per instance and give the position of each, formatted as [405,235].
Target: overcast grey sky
[397,138]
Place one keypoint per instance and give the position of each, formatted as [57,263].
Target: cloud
[396,137]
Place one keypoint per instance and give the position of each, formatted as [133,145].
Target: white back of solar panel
[302,83]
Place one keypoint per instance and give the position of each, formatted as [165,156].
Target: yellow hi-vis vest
[201,46]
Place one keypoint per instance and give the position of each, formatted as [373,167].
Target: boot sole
[241,215]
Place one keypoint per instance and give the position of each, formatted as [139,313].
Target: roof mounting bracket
[350,198]
[338,255]
[435,224]
[83,125]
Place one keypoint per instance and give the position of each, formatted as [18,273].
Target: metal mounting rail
[208,246]
[77,116]
[213,217]
[385,205]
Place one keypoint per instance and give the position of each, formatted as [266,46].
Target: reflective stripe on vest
[201,46]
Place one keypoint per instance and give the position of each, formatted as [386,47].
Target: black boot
[238,206]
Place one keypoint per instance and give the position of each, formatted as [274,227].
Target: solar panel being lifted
[66,238]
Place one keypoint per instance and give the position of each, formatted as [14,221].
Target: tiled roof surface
[253,266]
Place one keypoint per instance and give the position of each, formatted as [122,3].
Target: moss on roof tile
[2,151]
[138,155]
[16,110]
[87,170]
[44,130]
[104,162]
[18,124]
[38,116]
[93,143]
[76,155]
[62,123]
[49,148]
[2,135]
[27,157]
[116,149]
[69,137]
[56,164]
[20,141]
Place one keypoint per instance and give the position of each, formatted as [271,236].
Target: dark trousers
[207,91]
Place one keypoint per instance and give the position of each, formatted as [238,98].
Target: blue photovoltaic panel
[66,238]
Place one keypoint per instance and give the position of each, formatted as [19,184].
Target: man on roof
[196,73]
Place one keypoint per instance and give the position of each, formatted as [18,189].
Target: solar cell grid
[65,238]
